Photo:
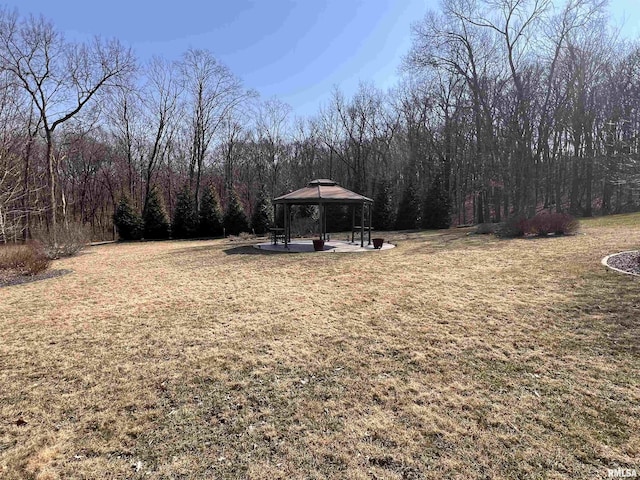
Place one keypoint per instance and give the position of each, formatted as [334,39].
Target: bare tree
[212,91]
[124,112]
[10,196]
[61,77]
[272,130]
[161,107]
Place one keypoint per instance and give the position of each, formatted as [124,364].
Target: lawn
[450,356]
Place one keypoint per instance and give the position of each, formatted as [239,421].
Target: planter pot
[318,245]
[377,242]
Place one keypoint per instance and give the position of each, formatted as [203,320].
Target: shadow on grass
[21,279]
[249,250]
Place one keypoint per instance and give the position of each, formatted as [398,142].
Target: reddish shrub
[564,224]
[558,223]
[24,259]
[540,225]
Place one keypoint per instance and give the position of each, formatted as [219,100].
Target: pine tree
[383,214]
[436,209]
[156,225]
[127,220]
[185,219]
[261,219]
[210,221]
[279,220]
[235,220]
[408,216]
[339,217]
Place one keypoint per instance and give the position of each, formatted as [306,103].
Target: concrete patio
[335,246]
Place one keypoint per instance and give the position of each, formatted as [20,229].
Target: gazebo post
[324,222]
[353,222]
[286,225]
[369,208]
[320,221]
[362,226]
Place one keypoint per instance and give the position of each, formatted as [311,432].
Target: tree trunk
[51,171]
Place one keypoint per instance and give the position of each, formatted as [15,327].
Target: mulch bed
[8,279]
[627,262]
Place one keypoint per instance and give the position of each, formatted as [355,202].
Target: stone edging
[605,262]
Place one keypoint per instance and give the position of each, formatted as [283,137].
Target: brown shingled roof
[322,190]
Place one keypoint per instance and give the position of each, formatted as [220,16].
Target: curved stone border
[605,262]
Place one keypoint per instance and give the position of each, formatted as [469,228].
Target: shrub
[542,225]
[210,219]
[156,225]
[261,219]
[436,210]
[235,220]
[564,224]
[185,218]
[485,228]
[383,215]
[127,220]
[24,259]
[514,227]
[558,223]
[539,225]
[69,239]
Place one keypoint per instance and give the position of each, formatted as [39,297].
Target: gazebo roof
[322,190]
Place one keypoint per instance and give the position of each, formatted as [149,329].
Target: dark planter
[318,245]
[377,242]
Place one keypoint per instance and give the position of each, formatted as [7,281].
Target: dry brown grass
[451,356]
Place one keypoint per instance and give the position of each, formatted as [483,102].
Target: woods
[504,108]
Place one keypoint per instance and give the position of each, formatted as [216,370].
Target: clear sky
[294,49]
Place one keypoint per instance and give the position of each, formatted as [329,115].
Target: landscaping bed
[628,262]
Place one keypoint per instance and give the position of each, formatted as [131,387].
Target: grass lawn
[450,356]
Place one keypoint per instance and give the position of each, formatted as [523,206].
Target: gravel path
[627,262]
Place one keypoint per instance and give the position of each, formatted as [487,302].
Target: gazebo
[322,192]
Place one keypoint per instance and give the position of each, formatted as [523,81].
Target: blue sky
[294,49]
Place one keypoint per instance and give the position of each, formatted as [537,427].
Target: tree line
[504,108]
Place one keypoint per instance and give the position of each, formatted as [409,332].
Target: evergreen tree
[261,219]
[339,217]
[436,209]
[156,225]
[307,211]
[408,216]
[127,220]
[185,219]
[383,214]
[210,221]
[279,220]
[235,220]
